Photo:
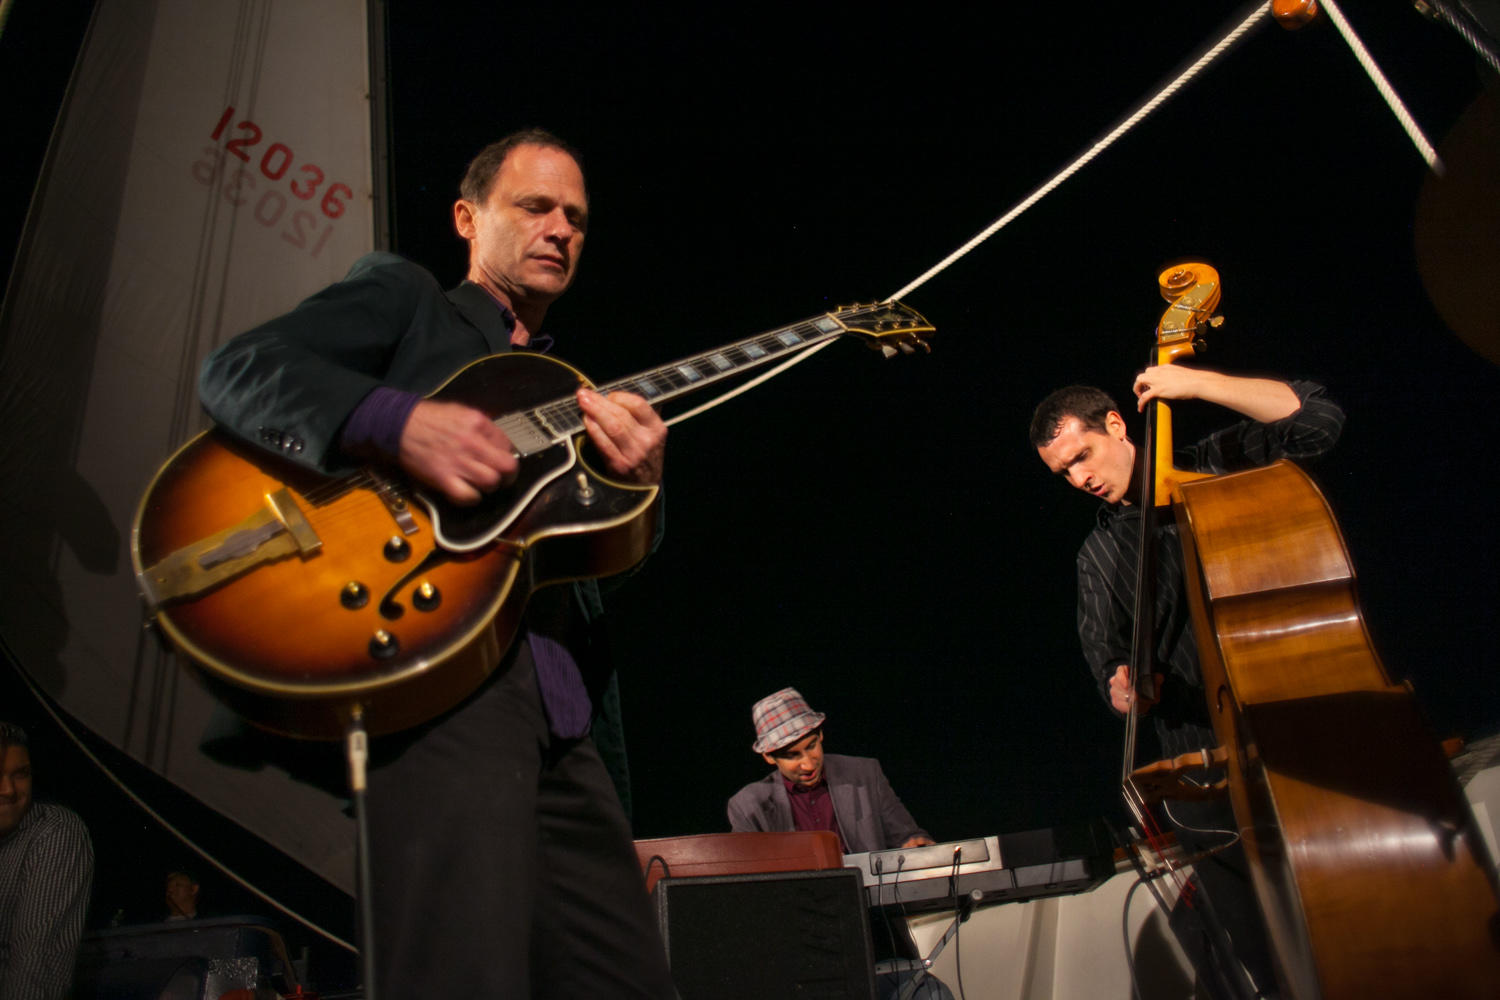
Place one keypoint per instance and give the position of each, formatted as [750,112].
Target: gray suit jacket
[869,814]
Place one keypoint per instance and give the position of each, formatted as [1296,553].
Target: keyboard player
[811,790]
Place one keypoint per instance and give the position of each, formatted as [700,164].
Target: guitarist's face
[1101,463]
[525,240]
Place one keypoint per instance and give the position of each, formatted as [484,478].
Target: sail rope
[1134,118]
[203,852]
[1130,121]
[1398,108]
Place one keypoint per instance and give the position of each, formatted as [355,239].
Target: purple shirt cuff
[377,422]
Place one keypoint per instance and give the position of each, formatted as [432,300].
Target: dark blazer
[290,383]
[869,814]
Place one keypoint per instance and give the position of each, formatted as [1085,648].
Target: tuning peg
[887,350]
[1216,322]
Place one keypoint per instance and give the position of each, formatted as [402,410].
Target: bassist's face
[1101,463]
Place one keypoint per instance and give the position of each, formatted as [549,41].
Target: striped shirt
[46,870]
[1107,567]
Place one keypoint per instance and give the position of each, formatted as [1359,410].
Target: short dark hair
[1085,402]
[12,735]
[481,172]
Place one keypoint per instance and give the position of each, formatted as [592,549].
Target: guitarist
[1081,436]
[504,802]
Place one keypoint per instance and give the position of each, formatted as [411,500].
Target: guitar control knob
[383,645]
[397,549]
[426,597]
[584,492]
[354,595]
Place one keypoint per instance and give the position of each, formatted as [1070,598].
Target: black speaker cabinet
[784,934]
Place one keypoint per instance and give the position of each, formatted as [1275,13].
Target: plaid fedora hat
[782,718]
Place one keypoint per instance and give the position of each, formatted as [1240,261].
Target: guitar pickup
[278,530]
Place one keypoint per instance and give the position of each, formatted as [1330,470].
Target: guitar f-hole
[390,608]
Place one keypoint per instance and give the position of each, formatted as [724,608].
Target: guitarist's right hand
[457,450]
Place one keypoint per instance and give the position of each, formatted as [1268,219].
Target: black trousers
[502,861]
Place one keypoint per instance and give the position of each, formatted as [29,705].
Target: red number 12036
[277,160]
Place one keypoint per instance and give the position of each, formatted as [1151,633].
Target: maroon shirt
[812,809]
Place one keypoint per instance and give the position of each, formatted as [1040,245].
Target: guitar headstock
[887,327]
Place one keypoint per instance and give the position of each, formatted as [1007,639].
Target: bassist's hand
[628,433]
[457,450]
[1120,694]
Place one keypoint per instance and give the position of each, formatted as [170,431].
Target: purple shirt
[812,809]
[376,426]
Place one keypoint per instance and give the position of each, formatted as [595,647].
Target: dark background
[879,533]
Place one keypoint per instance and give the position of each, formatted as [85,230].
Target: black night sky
[878,532]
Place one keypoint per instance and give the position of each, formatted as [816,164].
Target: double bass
[1364,856]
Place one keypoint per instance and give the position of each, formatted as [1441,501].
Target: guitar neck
[536,429]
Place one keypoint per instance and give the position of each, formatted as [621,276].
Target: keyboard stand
[922,967]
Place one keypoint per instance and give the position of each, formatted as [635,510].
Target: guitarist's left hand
[628,433]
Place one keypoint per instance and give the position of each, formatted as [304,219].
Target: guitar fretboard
[534,430]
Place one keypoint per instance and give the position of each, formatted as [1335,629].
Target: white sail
[211,166]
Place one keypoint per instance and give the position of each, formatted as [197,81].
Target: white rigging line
[1139,115]
[1383,85]
[144,806]
[1130,121]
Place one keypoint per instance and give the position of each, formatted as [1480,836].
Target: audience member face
[182,895]
[801,762]
[15,787]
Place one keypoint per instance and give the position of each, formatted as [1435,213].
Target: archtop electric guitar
[303,597]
